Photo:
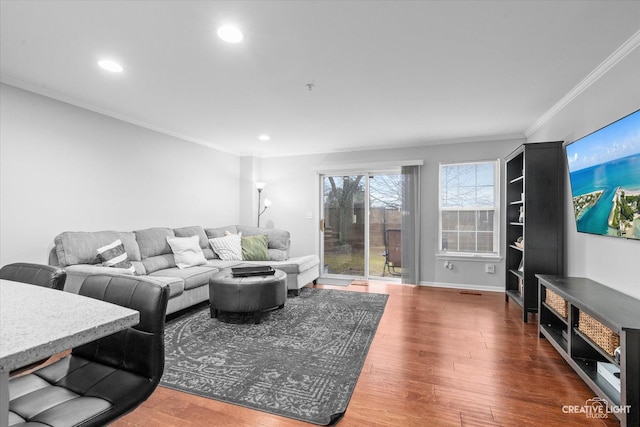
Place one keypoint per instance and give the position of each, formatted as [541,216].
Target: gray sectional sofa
[152,257]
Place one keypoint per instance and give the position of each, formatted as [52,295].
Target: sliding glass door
[344,221]
[361,217]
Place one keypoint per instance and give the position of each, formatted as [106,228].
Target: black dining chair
[34,274]
[104,379]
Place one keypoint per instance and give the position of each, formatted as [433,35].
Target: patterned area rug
[301,362]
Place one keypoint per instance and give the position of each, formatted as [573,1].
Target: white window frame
[496,211]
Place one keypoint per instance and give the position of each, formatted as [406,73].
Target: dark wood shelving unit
[535,185]
[615,310]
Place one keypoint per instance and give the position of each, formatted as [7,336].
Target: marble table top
[37,322]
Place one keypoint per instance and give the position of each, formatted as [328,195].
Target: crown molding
[419,143]
[11,81]
[367,167]
[617,56]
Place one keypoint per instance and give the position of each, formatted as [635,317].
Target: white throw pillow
[187,251]
[228,248]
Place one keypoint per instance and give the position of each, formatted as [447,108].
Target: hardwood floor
[439,358]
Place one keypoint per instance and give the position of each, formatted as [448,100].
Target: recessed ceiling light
[109,65]
[264,137]
[230,34]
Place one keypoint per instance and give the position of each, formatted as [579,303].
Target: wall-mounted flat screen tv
[604,171]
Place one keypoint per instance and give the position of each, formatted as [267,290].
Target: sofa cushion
[278,255]
[159,262]
[254,248]
[203,240]
[86,270]
[228,248]
[153,241]
[278,239]
[80,247]
[291,266]
[186,251]
[192,277]
[220,231]
[139,266]
[114,255]
[175,284]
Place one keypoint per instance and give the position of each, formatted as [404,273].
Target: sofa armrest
[78,272]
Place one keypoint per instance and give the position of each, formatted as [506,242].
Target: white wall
[294,188]
[66,168]
[610,261]
[250,174]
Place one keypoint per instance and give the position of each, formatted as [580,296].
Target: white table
[37,322]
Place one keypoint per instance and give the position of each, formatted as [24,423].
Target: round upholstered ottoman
[251,294]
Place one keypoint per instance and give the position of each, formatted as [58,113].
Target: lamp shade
[260,185]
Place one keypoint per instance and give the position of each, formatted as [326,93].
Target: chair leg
[394,272]
[214,312]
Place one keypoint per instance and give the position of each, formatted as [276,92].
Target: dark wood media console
[616,311]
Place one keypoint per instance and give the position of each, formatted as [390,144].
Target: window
[468,210]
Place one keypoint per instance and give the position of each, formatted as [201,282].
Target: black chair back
[34,274]
[138,349]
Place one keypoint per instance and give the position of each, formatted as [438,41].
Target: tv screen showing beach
[604,170]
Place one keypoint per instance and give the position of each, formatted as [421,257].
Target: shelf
[515,296]
[520,178]
[595,346]
[555,337]
[562,319]
[517,202]
[590,369]
[520,274]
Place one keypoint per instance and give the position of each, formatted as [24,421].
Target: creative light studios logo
[596,408]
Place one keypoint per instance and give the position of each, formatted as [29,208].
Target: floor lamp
[267,202]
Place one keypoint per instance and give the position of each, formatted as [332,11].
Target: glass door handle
[322,225]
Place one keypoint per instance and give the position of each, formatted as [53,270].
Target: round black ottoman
[246,294]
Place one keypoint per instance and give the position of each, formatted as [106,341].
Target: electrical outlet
[490,268]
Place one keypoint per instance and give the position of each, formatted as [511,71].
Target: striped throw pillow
[228,248]
[114,255]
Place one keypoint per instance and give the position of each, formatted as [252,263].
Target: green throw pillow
[255,248]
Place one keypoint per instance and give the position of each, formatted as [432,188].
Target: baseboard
[334,281]
[462,286]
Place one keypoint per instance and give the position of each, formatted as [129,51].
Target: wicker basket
[556,302]
[604,337]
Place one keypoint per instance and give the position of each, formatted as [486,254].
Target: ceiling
[385,73]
